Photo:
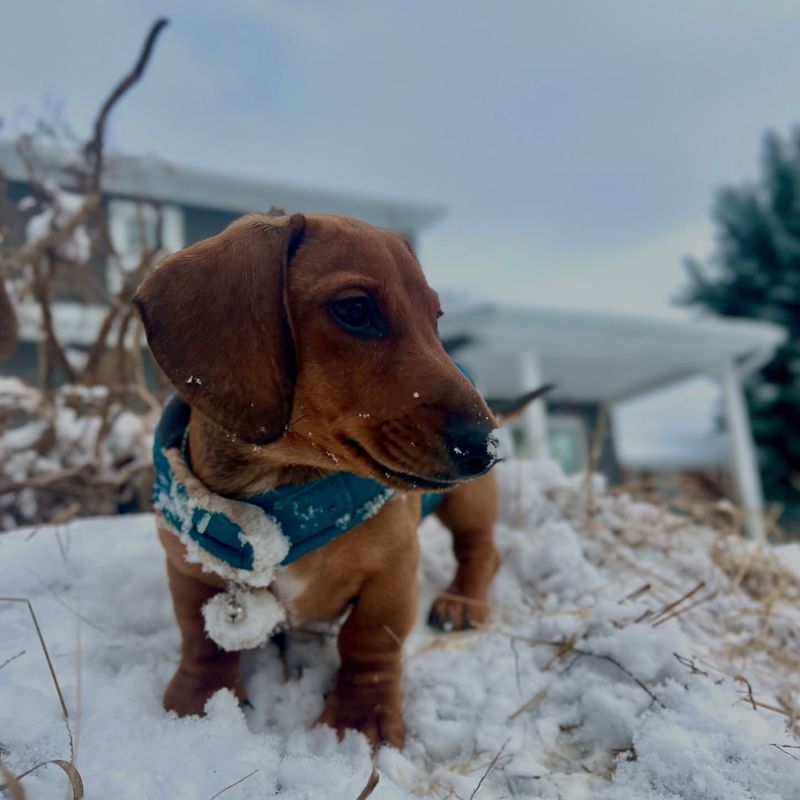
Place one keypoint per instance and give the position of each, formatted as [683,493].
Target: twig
[94,148]
[612,660]
[687,662]
[783,749]
[13,658]
[749,694]
[231,785]
[491,766]
[44,481]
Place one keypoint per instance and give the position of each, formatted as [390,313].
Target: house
[194,204]
[600,360]
[597,360]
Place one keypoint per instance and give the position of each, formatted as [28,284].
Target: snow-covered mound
[630,654]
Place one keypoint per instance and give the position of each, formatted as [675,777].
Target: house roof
[153,178]
[603,357]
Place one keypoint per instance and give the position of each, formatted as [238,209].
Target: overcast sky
[576,145]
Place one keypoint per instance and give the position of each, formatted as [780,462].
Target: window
[568,442]
[133,225]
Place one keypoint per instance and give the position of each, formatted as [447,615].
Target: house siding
[200,223]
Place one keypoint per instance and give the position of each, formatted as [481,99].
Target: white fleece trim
[257,529]
[261,615]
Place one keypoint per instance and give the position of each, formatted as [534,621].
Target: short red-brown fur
[278,394]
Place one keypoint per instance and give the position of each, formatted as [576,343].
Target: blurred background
[606,194]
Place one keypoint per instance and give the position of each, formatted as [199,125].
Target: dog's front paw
[187,693]
[377,714]
[452,612]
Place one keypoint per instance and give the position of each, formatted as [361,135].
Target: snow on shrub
[73,451]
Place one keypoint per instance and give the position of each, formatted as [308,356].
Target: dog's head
[317,335]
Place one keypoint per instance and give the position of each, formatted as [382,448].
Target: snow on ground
[563,695]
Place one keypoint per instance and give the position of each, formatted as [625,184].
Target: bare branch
[94,148]
[9,328]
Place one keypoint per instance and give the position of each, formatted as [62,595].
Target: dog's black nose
[472,449]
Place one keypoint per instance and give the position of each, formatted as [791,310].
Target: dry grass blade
[687,662]
[78,688]
[749,694]
[75,780]
[44,650]
[636,593]
[231,785]
[535,700]
[684,609]
[461,598]
[567,646]
[12,658]
[11,785]
[744,567]
[397,640]
[491,766]
[372,782]
[675,603]
[784,749]
[595,452]
[612,660]
[766,706]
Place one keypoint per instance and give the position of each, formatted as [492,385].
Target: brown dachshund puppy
[306,345]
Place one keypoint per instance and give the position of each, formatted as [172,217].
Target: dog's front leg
[367,691]
[469,512]
[203,668]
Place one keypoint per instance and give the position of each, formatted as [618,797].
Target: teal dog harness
[247,542]
[292,520]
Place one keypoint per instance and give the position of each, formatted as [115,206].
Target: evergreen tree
[754,271]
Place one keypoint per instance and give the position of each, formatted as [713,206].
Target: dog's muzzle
[472,448]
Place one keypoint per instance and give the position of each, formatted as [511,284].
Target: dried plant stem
[674,604]
[595,451]
[231,785]
[75,780]
[491,766]
[12,658]
[612,660]
[670,609]
[372,783]
[94,148]
[64,711]
[535,700]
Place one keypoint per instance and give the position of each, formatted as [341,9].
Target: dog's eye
[358,316]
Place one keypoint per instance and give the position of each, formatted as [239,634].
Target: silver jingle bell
[234,610]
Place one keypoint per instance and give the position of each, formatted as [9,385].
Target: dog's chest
[289,587]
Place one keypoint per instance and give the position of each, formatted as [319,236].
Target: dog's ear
[216,319]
